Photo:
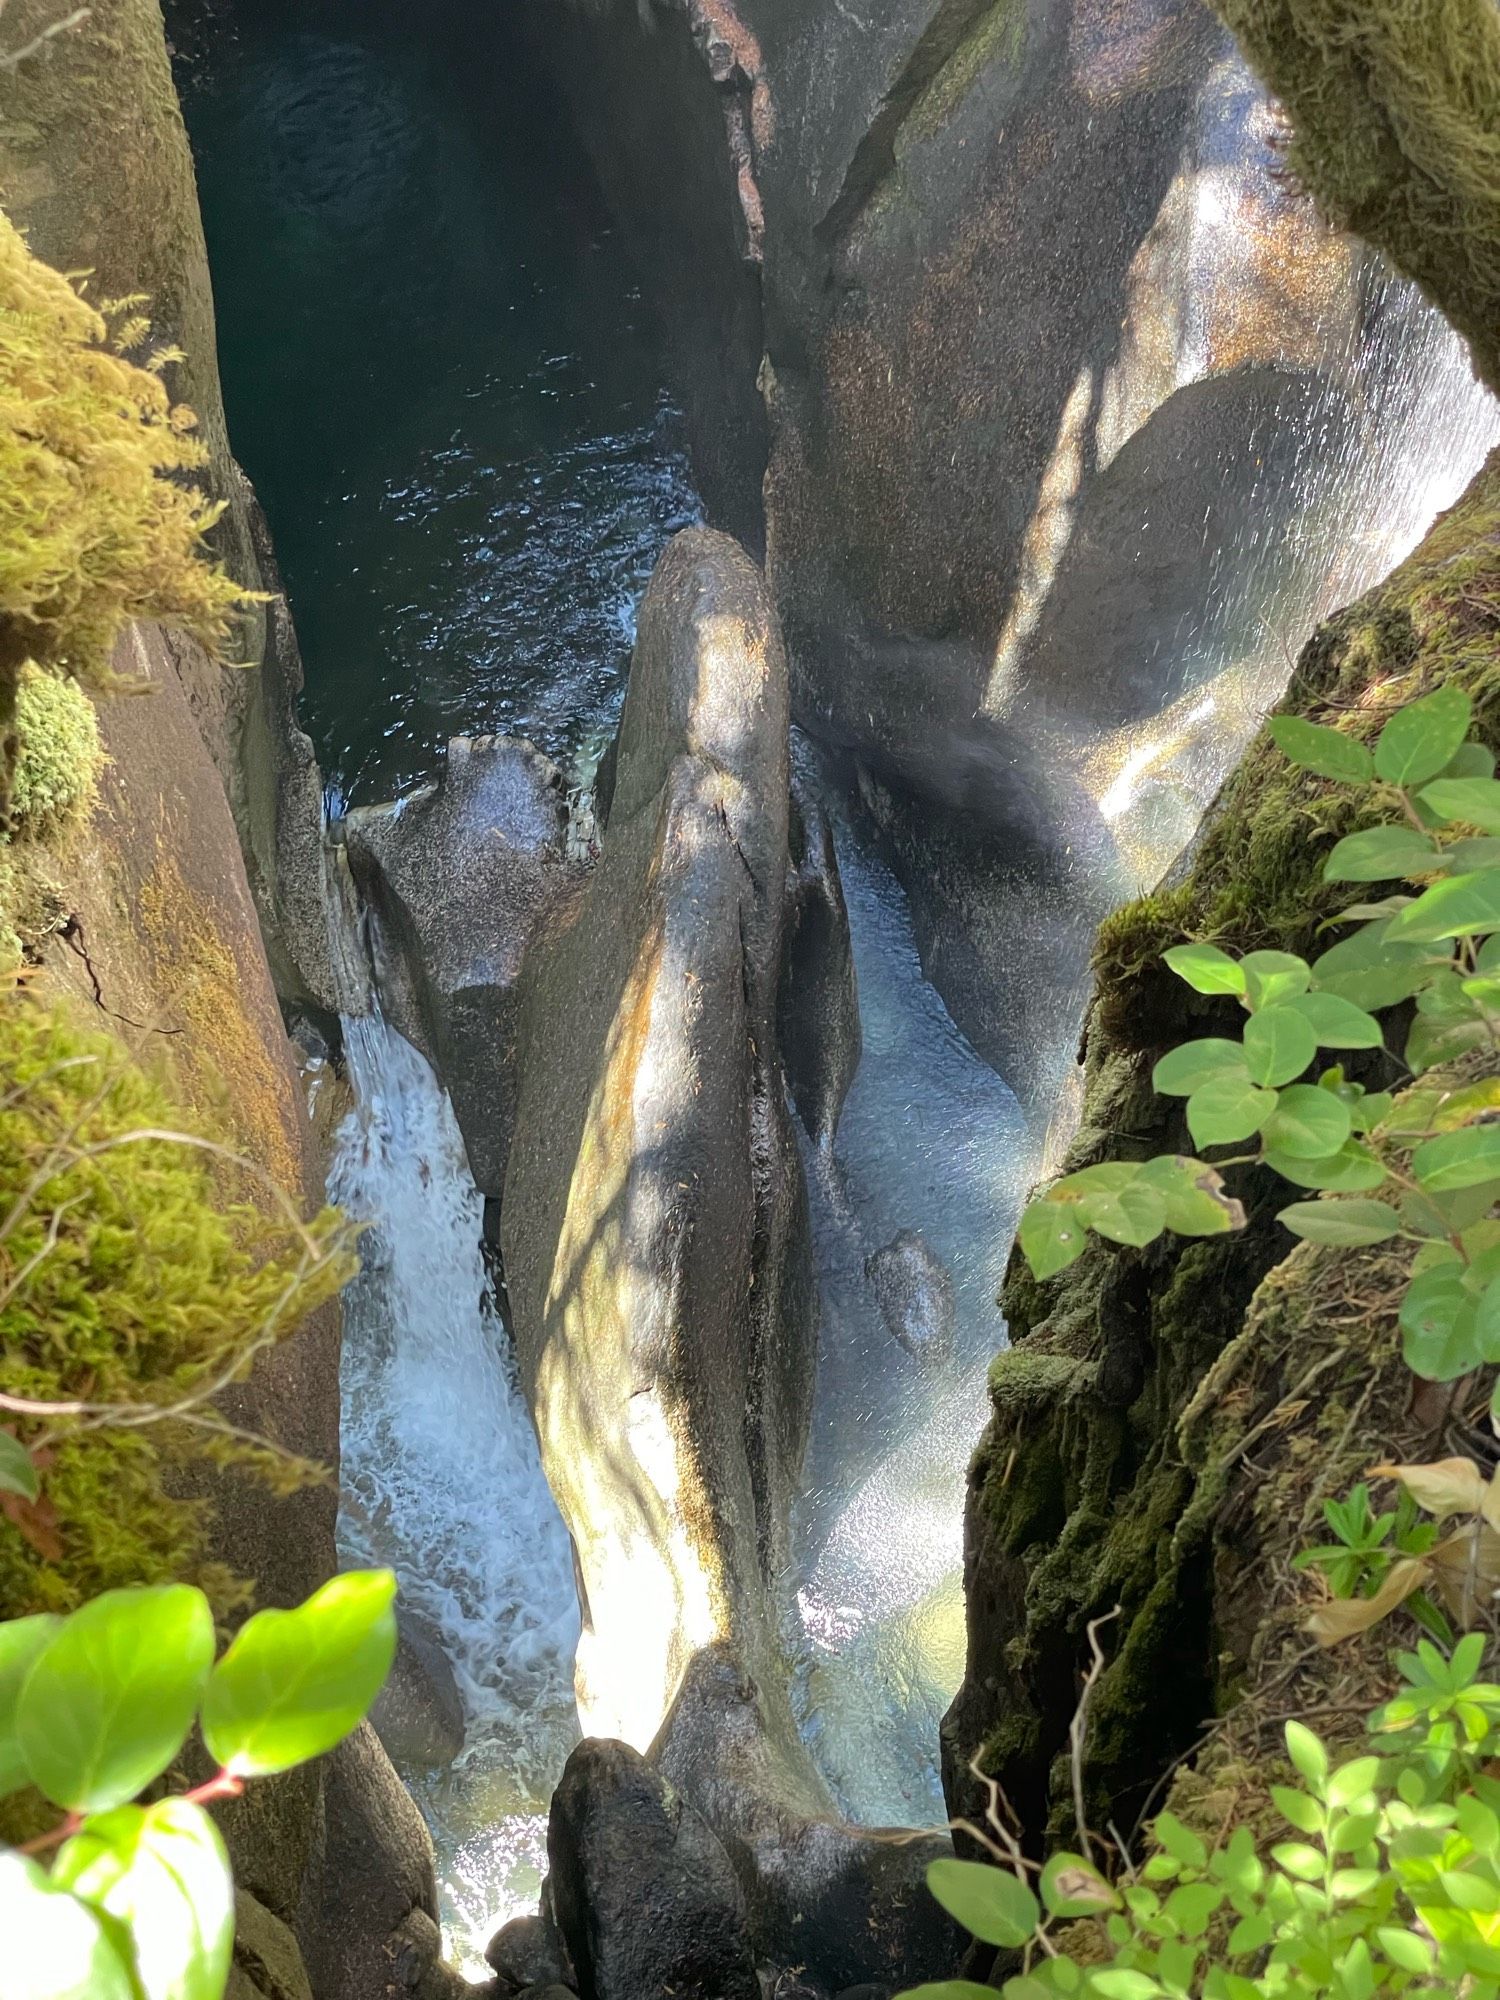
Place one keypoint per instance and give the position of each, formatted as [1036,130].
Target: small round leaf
[1342,1222]
[1326,752]
[294,1683]
[1274,975]
[1462,906]
[1437,1325]
[110,1698]
[1227,1110]
[1420,739]
[1308,1123]
[1183,1070]
[1458,1159]
[1383,854]
[1279,1045]
[17,1471]
[991,1902]
[1052,1235]
[1474,801]
[1205,968]
[21,1639]
[1337,1023]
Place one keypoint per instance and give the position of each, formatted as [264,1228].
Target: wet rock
[818,1010]
[417,1967]
[376,1870]
[528,1953]
[419,1713]
[267,1961]
[645,1895]
[458,875]
[841,1903]
[653,1221]
[915,1293]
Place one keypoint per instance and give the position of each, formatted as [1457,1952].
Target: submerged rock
[646,1898]
[818,1011]
[653,1222]
[458,875]
[915,1293]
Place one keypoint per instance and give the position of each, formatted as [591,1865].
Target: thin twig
[1078,1727]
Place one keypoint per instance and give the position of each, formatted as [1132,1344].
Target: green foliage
[1392,110]
[93,1708]
[142,1289]
[1423,1168]
[59,758]
[97,526]
[1389,1883]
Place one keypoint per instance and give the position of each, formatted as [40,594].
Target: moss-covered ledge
[1099,1480]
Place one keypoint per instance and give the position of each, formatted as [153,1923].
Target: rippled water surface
[439,374]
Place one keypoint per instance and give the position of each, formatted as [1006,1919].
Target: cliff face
[1115,1469]
[150,917]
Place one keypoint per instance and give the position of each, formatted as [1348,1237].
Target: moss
[126,1282]
[1396,133]
[98,525]
[998,36]
[59,757]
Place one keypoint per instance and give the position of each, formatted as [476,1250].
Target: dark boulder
[419,1713]
[646,1898]
[527,1953]
[457,876]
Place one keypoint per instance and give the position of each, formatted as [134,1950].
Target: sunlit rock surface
[653,1219]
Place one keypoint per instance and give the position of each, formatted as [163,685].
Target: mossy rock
[60,755]
[1088,1491]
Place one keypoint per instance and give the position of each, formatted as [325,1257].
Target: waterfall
[442,1480]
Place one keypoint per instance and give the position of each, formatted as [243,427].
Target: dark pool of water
[438,370]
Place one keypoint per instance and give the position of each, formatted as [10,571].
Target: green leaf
[1479,852]
[1052,1235]
[21,1639]
[1306,1751]
[1117,1982]
[1297,1809]
[1437,1325]
[1308,1123]
[1458,1159]
[1328,753]
[1475,801]
[1179,1840]
[949,1989]
[1205,968]
[1371,971]
[55,1948]
[991,1902]
[1486,1327]
[1343,1222]
[1351,1170]
[1193,1195]
[1273,975]
[1117,1200]
[1405,1949]
[1461,906]
[162,1871]
[1228,1109]
[1383,854]
[294,1683]
[1280,1043]
[1470,760]
[110,1698]
[1336,1023]
[17,1473]
[1420,739]
[1186,1069]
[1073,1887]
[1439,1040]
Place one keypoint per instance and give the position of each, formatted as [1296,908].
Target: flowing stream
[441,378]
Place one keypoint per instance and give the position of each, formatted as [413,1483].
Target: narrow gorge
[773,530]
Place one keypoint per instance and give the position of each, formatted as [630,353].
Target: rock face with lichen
[1108,1474]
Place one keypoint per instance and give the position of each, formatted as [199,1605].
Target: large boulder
[840,1903]
[646,1899]
[653,1220]
[457,875]
[818,1016]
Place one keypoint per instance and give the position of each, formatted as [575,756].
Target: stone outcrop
[818,1009]
[646,1899]
[1041,336]
[653,1220]
[419,1713]
[457,876]
[1112,1471]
